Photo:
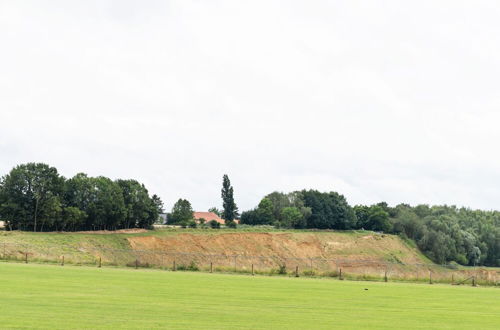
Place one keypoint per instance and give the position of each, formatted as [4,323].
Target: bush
[282,270]
[309,272]
[191,267]
[231,224]
[192,224]
[214,224]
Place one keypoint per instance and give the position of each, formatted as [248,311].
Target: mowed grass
[45,296]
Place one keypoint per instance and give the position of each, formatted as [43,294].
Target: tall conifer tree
[230,209]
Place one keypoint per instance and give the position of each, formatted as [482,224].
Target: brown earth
[287,245]
[325,251]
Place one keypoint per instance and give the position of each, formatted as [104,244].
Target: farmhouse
[208,216]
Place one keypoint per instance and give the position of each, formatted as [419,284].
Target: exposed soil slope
[326,245]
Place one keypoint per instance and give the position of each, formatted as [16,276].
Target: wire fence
[359,269]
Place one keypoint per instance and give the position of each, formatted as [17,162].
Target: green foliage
[34,197]
[216,211]
[451,234]
[213,224]
[372,218]
[443,233]
[230,209]
[291,217]
[231,224]
[141,210]
[182,212]
[328,210]
[265,211]
[30,197]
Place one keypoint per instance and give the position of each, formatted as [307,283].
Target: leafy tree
[328,210]
[158,203]
[250,217]
[141,210]
[230,209]
[73,218]
[372,218]
[291,217]
[216,211]
[279,201]
[30,196]
[265,211]
[182,212]
[35,197]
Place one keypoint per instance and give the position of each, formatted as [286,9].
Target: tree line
[34,197]
[443,233]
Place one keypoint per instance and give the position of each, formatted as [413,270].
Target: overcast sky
[395,101]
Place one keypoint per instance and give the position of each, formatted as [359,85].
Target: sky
[394,101]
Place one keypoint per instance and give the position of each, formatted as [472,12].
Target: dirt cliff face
[324,245]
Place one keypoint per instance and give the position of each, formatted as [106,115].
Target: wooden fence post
[252,271]
[100,262]
[62,262]
[340,274]
[211,267]
[385,275]
[136,263]
[296,271]
[26,257]
[175,268]
[474,280]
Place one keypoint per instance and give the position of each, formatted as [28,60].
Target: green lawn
[44,296]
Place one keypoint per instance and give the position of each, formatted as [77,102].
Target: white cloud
[377,100]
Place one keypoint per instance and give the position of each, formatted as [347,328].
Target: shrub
[282,270]
[214,224]
[191,267]
[309,272]
[231,224]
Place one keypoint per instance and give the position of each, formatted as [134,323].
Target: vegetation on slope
[443,233]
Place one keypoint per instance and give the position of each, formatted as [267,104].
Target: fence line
[341,268]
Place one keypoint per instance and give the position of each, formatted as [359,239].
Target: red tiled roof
[208,216]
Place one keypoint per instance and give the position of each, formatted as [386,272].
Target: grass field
[45,296]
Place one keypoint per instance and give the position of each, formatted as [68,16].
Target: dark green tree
[216,211]
[291,217]
[141,210]
[182,212]
[372,218]
[30,196]
[328,210]
[230,211]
